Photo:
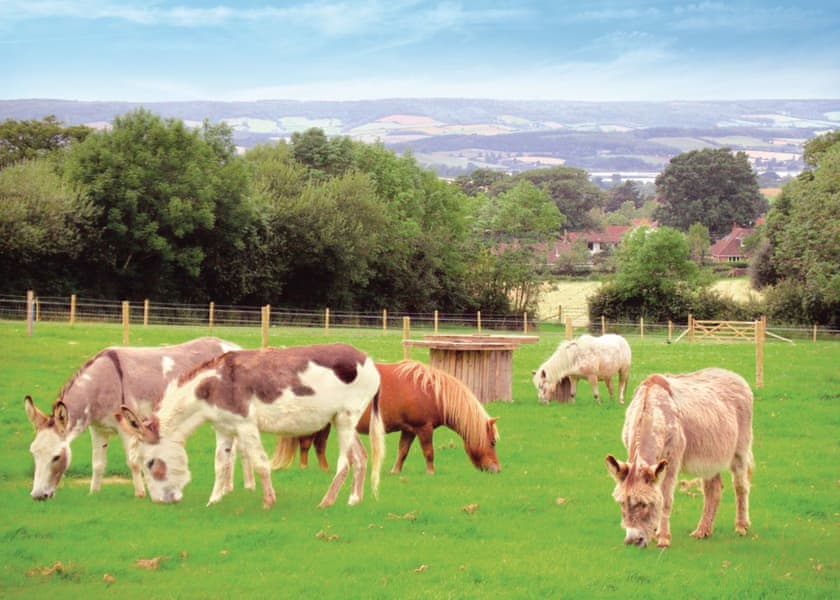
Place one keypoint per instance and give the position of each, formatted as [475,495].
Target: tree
[24,140]
[713,187]
[158,186]
[698,242]
[570,190]
[803,230]
[44,228]
[619,195]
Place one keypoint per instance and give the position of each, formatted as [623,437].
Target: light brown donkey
[698,423]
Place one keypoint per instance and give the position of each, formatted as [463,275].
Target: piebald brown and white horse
[698,423]
[90,399]
[292,392]
[415,399]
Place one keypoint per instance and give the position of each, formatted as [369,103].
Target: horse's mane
[559,362]
[459,407]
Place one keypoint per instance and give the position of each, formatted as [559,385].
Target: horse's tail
[284,453]
[377,444]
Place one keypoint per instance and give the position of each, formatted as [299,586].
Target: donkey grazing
[699,423]
[291,392]
[135,377]
[587,357]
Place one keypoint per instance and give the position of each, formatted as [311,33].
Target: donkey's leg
[250,446]
[359,463]
[711,500]
[99,458]
[345,428]
[320,439]
[130,444]
[305,443]
[406,438]
[225,454]
[741,474]
[663,534]
[248,481]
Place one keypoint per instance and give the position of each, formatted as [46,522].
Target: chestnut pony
[415,399]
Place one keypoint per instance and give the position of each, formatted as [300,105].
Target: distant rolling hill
[455,136]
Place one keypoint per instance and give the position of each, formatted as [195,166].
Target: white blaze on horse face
[165,469]
[52,457]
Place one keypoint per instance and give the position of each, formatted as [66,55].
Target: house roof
[732,243]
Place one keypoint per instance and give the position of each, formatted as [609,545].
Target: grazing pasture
[546,526]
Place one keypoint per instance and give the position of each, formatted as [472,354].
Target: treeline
[150,208]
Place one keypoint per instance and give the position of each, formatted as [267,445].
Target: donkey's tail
[284,453]
[377,444]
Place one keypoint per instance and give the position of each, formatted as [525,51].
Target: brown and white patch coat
[291,392]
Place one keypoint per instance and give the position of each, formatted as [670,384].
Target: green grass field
[545,527]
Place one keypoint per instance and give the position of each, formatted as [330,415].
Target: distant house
[597,241]
[730,248]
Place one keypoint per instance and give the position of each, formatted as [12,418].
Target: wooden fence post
[326,321]
[670,330]
[72,309]
[384,320]
[406,334]
[37,310]
[266,317]
[603,324]
[30,311]
[559,313]
[815,332]
[690,327]
[759,354]
[436,321]
[478,320]
[569,328]
[641,327]
[146,312]
[525,322]
[126,317]
[211,316]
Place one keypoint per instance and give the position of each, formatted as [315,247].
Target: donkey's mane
[459,407]
[70,382]
[644,416]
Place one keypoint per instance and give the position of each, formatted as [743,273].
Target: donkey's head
[638,492]
[164,462]
[50,448]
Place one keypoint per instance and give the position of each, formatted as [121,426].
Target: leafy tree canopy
[23,140]
[713,187]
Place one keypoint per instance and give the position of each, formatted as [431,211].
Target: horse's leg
[608,381]
[99,458]
[223,468]
[321,447]
[406,438]
[130,444]
[305,442]
[711,500]
[425,436]
[623,377]
[345,428]
[572,388]
[593,381]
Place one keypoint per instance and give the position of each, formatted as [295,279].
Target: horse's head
[165,465]
[483,454]
[638,491]
[50,448]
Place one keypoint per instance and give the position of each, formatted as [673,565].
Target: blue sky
[337,50]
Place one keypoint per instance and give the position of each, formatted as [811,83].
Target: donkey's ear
[657,471]
[35,415]
[60,416]
[133,424]
[617,469]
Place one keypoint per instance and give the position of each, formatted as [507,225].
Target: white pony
[587,357]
